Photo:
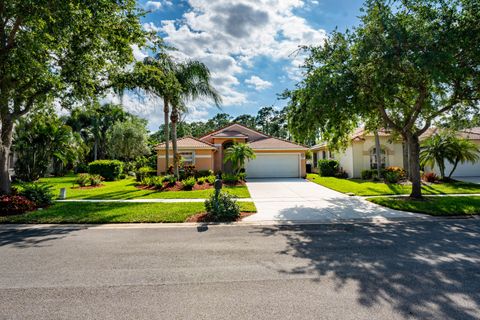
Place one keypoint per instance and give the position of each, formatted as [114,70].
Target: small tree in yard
[59,49]
[238,154]
[128,140]
[436,150]
[408,64]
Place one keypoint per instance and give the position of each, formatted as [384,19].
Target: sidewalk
[147,200]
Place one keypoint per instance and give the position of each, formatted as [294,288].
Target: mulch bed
[202,217]
[89,187]
[179,187]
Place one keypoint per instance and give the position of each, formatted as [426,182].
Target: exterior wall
[203,159]
[303,163]
[467,169]
[356,156]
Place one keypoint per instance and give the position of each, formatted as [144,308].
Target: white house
[360,153]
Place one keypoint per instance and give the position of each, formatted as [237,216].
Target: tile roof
[229,133]
[188,143]
[275,144]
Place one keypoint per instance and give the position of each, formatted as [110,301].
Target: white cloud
[138,53]
[227,36]
[258,83]
[153,5]
[150,27]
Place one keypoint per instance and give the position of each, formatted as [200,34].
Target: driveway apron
[302,200]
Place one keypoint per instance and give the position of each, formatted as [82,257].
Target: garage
[467,169]
[274,165]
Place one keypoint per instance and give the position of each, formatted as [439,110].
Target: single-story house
[360,153]
[275,158]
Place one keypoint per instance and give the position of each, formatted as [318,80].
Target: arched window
[374,160]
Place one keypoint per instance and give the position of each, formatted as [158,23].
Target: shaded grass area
[115,212]
[125,189]
[368,188]
[435,206]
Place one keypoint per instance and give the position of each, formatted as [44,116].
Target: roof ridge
[185,137]
[231,124]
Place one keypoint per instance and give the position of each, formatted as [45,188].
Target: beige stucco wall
[203,159]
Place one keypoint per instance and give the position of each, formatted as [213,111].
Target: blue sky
[248,45]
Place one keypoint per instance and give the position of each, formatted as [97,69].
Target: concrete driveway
[302,200]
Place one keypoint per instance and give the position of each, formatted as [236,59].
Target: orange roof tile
[188,143]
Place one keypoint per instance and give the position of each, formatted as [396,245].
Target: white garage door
[464,170]
[274,166]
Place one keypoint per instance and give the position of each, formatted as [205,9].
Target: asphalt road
[415,270]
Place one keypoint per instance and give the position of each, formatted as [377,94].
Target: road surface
[410,270]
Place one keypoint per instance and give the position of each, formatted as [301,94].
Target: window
[315,159]
[324,155]
[188,158]
[330,155]
[373,158]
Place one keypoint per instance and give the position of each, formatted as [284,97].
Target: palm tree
[238,154]
[435,150]
[464,151]
[195,82]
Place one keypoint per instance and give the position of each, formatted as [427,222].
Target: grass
[435,206]
[115,212]
[125,189]
[368,188]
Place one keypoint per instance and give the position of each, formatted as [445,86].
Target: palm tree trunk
[453,169]
[174,118]
[166,111]
[378,154]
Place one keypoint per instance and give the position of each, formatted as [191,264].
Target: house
[275,158]
[360,153]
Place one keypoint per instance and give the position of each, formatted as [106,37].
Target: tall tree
[247,120]
[408,63]
[64,49]
[128,140]
[195,82]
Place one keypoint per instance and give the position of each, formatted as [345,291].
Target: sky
[250,47]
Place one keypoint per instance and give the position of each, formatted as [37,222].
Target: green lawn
[368,188]
[115,212]
[435,206]
[125,189]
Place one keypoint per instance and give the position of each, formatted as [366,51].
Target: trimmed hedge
[110,170]
[328,168]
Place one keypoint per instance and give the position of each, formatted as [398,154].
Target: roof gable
[239,129]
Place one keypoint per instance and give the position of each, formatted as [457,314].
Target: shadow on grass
[424,270]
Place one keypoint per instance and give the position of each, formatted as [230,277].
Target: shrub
[202,180]
[230,178]
[157,182]
[81,168]
[188,171]
[95,180]
[203,173]
[402,174]
[122,176]
[222,209]
[170,179]
[41,194]
[145,181]
[144,172]
[430,177]
[211,179]
[327,168]
[242,176]
[392,176]
[367,174]
[110,170]
[188,183]
[12,205]
[342,174]
[82,179]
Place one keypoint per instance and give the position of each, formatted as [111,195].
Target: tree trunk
[406,165]
[453,169]
[95,149]
[378,154]
[5,146]
[414,155]
[166,111]
[174,118]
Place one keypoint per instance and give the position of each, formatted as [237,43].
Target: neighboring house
[360,153]
[275,158]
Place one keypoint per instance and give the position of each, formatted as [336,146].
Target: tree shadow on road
[421,269]
[32,237]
